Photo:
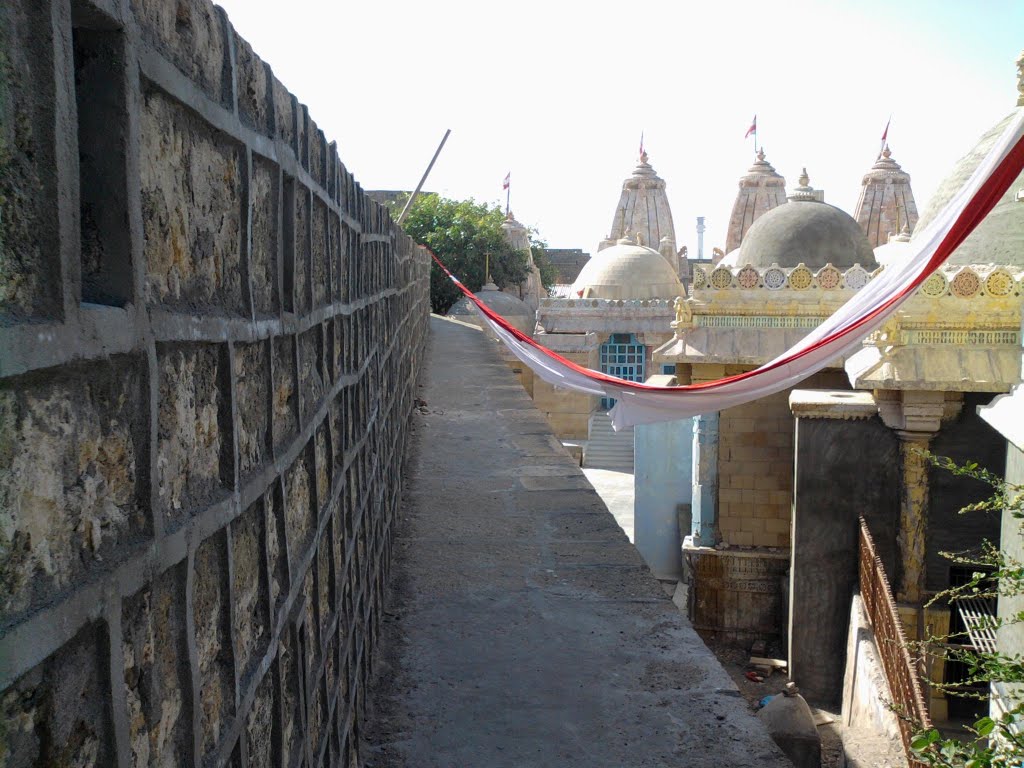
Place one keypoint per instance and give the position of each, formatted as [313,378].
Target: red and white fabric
[837,335]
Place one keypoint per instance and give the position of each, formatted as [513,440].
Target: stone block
[297,264]
[252,391]
[311,375]
[291,700]
[317,154]
[261,724]
[277,558]
[194,465]
[299,513]
[59,712]
[30,284]
[211,617]
[250,590]
[255,105]
[325,580]
[264,193]
[318,254]
[323,464]
[192,35]
[156,671]
[74,454]
[192,203]
[286,401]
[284,112]
[310,623]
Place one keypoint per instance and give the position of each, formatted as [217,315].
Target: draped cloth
[837,335]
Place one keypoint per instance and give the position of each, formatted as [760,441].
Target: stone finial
[803,190]
[640,238]
[886,152]
[1020,80]
[643,156]
[760,155]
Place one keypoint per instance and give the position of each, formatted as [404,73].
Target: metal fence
[899,668]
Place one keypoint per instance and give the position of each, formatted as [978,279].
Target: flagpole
[508,198]
[412,197]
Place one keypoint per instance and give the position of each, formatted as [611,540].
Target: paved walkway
[522,628]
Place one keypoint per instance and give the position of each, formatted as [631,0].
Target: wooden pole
[408,205]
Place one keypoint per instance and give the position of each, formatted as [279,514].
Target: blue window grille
[624,357]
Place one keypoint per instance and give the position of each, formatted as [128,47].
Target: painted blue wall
[662,481]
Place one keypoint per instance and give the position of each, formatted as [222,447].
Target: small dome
[517,312]
[808,231]
[999,238]
[627,271]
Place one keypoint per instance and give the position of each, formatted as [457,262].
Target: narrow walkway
[522,628]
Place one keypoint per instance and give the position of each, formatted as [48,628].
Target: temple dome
[627,271]
[999,238]
[806,231]
[516,311]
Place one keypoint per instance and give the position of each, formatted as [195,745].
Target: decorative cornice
[776,278]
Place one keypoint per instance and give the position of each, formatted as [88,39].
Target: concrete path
[522,628]
[617,492]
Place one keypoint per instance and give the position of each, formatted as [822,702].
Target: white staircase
[606,448]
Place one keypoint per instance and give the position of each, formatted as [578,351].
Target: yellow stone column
[913,516]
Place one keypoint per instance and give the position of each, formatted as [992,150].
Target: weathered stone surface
[265,196]
[252,391]
[156,672]
[286,413]
[28,235]
[300,517]
[260,725]
[277,558]
[189,439]
[58,713]
[252,608]
[317,154]
[191,178]
[311,623]
[284,112]
[310,373]
[318,245]
[73,456]
[211,615]
[288,658]
[300,261]
[254,105]
[191,34]
[323,465]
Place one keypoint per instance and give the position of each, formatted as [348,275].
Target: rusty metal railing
[900,671]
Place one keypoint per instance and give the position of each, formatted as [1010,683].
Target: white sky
[558,93]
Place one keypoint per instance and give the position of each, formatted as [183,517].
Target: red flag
[752,128]
[641,144]
[507,181]
[885,133]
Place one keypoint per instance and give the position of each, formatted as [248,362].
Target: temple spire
[886,205]
[760,190]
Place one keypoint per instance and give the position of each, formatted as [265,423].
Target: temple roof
[806,231]
[886,203]
[643,209]
[627,271]
[760,190]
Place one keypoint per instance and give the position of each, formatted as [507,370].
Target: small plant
[991,741]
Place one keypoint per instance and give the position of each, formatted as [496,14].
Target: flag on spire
[508,180]
[641,145]
[885,134]
[752,129]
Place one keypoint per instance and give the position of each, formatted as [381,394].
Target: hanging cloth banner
[837,335]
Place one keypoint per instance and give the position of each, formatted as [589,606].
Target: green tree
[464,234]
[998,741]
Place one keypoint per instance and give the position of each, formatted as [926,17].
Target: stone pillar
[913,514]
[662,483]
[916,416]
[704,502]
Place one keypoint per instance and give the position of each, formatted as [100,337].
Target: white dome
[627,271]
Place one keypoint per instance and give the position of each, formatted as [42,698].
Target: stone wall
[209,338]
[755,464]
